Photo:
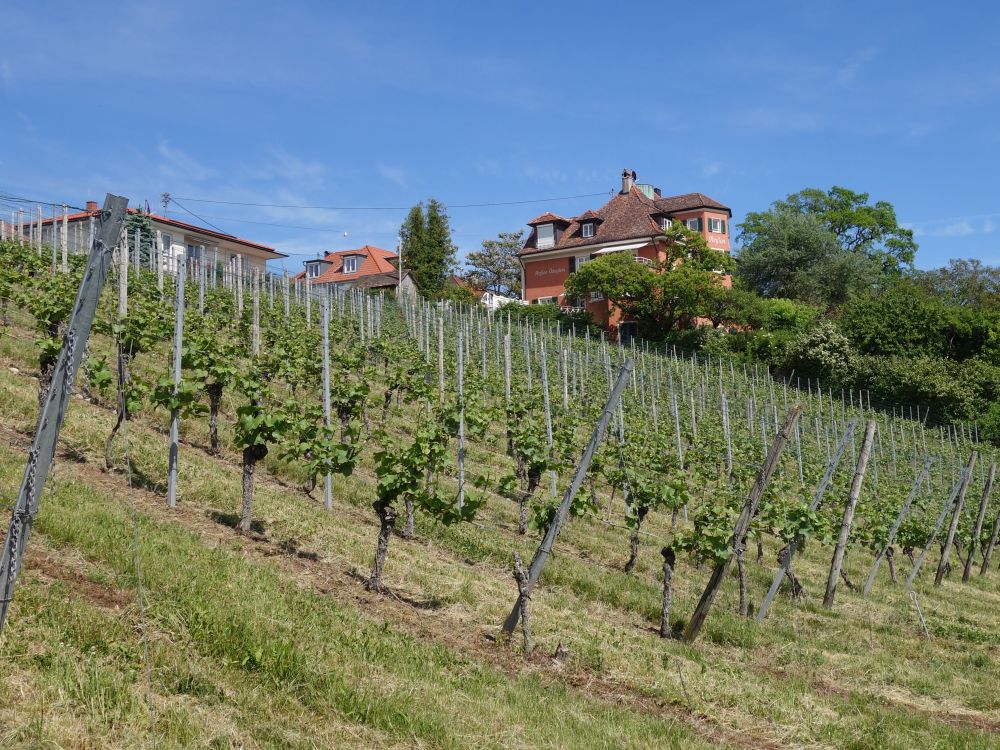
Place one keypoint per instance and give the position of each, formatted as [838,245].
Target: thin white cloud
[177,164]
[848,73]
[711,169]
[396,175]
[778,119]
[958,226]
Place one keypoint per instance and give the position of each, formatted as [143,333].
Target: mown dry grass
[277,625]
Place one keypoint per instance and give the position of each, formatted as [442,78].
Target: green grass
[253,647]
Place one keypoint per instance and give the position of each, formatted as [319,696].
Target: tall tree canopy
[428,252]
[859,226]
[966,282]
[823,248]
[496,267]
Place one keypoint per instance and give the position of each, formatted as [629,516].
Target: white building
[175,239]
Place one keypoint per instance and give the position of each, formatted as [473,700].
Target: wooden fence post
[980,517]
[959,504]
[845,526]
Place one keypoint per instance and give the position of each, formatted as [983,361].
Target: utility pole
[53,411]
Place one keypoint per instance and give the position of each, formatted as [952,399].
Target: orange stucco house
[631,222]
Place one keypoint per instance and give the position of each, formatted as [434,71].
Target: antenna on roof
[166,201]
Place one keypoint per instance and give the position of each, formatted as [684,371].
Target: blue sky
[382,105]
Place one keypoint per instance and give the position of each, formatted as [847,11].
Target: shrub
[822,352]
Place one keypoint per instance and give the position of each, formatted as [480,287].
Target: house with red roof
[631,222]
[367,267]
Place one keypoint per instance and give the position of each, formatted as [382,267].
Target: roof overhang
[621,248]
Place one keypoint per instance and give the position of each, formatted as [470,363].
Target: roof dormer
[315,268]
[351,263]
[548,229]
[588,222]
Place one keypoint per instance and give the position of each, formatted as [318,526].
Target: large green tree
[858,225]
[823,247]
[793,255]
[966,282]
[496,267]
[428,252]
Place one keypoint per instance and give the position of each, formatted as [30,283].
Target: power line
[36,202]
[171,199]
[268,224]
[392,208]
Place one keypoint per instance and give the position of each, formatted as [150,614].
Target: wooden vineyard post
[175,415]
[937,527]
[440,327]
[160,260]
[548,413]
[924,474]
[785,563]
[953,527]
[991,546]
[742,524]
[852,503]
[545,548]
[980,517]
[54,409]
[461,422]
[506,367]
[255,329]
[64,238]
[327,408]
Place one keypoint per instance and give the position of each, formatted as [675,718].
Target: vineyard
[284,516]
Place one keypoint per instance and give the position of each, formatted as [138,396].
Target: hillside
[270,638]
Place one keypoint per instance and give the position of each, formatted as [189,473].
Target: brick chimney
[628,180]
[92,206]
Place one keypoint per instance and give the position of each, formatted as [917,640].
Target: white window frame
[597,296]
[665,222]
[313,270]
[587,229]
[581,259]
[353,261]
[691,224]
[549,240]
[547,301]
[715,226]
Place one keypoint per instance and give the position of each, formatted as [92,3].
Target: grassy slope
[256,645]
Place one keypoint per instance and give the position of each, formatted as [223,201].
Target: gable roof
[375,260]
[548,218]
[687,202]
[627,216]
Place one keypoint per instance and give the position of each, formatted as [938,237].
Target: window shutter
[701,226]
[724,226]
[572,265]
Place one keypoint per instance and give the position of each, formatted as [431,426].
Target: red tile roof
[627,216]
[547,218]
[687,202]
[375,260]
